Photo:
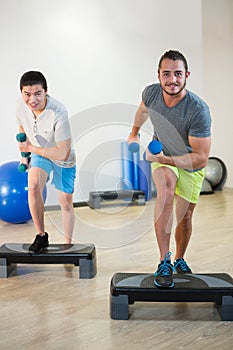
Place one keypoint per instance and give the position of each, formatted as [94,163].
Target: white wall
[217,18]
[97,55]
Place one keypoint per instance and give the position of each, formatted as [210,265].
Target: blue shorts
[63,178]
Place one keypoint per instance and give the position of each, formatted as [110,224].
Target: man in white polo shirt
[45,122]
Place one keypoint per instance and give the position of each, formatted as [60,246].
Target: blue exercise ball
[14,194]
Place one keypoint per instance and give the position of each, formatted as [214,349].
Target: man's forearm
[53,153]
[191,161]
[140,118]
[135,130]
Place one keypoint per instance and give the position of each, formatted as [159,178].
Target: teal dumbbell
[21,137]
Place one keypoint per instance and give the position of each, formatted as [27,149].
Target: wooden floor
[47,307]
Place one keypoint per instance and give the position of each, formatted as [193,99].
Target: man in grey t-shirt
[182,124]
[45,123]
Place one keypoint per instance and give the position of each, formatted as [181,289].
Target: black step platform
[137,197]
[126,288]
[81,255]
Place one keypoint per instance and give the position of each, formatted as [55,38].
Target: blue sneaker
[180,266]
[163,275]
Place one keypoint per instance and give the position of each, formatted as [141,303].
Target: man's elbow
[63,155]
[66,156]
[203,161]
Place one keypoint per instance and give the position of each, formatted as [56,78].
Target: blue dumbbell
[21,137]
[155,147]
[134,146]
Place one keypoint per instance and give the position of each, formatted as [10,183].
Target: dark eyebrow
[36,92]
[168,71]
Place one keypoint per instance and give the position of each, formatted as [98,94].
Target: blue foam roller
[145,178]
[126,167]
[144,156]
[136,159]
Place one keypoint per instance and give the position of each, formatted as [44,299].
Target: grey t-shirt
[51,126]
[173,126]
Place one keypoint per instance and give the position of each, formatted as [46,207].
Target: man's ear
[158,76]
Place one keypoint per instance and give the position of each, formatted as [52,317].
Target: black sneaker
[180,266]
[163,275]
[39,244]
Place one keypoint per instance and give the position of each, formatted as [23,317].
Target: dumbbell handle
[25,154]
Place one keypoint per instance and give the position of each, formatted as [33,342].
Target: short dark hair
[173,55]
[33,78]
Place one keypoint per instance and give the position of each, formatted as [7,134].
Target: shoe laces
[166,265]
[183,265]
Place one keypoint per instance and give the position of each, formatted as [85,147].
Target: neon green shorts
[189,184]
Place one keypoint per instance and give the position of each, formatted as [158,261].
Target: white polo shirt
[51,126]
